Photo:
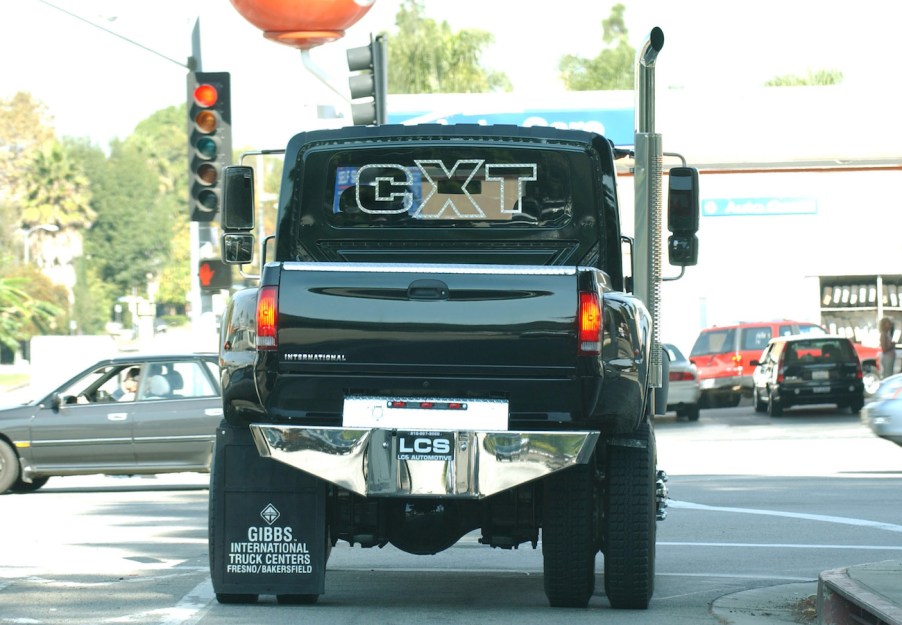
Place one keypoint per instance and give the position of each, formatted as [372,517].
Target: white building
[800,192]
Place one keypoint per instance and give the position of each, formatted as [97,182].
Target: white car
[683,387]
[884,413]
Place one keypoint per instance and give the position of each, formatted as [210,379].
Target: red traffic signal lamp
[214,275]
[209,140]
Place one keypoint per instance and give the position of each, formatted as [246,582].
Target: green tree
[425,56]
[161,140]
[612,68]
[55,190]
[52,299]
[94,299]
[822,77]
[128,239]
[18,309]
[24,131]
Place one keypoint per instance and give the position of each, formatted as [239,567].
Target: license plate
[821,389]
[414,445]
[420,414]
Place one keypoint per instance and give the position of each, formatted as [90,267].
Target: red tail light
[589,323]
[267,318]
[681,376]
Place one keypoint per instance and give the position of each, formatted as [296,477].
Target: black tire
[569,540]
[760,404]
[235,598]
[28,487]
[9,467]
[774,406]
[297,599]
[692,412]
[856,405]
[630,522]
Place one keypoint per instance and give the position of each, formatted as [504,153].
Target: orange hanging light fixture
[303,24]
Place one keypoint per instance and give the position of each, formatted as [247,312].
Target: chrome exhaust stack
[648,204]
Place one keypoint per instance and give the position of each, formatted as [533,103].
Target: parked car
[683,388]
[723,355]
[883,414]
[799,370]
[128,415]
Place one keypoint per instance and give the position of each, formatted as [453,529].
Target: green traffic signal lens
[206,148]
[208,200]
[208,174]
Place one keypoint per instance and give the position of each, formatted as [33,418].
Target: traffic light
[214,275]
[209,140]
[371,84]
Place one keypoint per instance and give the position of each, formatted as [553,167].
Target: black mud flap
[267,524]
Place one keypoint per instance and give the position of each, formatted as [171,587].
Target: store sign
[614,123]
[759,206]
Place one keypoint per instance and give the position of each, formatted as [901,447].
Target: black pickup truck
[443,344]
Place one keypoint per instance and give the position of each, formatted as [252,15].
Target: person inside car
[129,385]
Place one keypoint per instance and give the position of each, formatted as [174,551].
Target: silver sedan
[883,414]
[129,415]
[683,386]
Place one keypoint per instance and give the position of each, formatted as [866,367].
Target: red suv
[723,355]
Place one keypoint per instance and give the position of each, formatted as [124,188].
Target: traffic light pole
[195,297]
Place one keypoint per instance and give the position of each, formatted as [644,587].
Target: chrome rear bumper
[370,461]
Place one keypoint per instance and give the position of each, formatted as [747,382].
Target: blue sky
[99,86]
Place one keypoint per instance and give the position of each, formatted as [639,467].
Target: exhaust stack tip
[653,46]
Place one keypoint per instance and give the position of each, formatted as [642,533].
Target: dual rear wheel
[616,513]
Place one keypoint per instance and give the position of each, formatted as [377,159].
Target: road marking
[889,527]
[188,611]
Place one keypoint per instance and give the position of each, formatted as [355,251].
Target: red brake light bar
[427,405]
[267,318]
[589,320]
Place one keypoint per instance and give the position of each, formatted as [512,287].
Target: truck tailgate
[422,319]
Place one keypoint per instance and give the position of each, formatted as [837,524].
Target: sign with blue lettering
[614,123]
[758,206]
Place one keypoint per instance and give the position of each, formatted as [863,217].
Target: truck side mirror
[237,248]
[682,216]
[682,250]
[238,198]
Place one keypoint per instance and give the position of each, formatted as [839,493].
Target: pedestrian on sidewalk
[887,347]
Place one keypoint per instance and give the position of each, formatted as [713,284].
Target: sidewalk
[866,594]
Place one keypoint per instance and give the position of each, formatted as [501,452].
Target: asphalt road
[757,503]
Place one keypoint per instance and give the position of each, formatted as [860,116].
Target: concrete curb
[848,596]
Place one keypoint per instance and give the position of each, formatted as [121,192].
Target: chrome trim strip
[175,439]
[525,270]
[365,460]
[80,441]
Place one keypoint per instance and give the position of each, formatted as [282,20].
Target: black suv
[797,370]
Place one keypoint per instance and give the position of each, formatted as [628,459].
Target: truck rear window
[449,186]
